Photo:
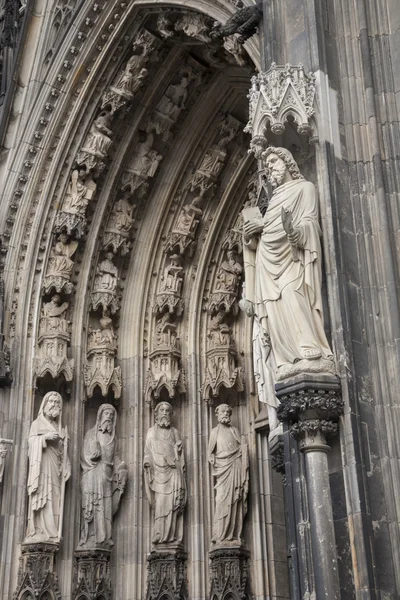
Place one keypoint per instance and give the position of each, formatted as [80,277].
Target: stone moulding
[281,94]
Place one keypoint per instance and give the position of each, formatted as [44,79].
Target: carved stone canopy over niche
[281,95]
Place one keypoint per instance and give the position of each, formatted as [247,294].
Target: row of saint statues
[282,263]
[104,476]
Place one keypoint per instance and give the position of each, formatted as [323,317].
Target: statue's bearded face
[53,407]
[107,421]
[163,417]
[276,169]
[224,414]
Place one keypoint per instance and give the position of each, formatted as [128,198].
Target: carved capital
[311,406]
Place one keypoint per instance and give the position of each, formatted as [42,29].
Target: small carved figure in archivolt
[60,265]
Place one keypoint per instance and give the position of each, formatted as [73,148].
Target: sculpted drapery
[103,480]
[228,455]
[165,477]
[282,256]
[49,468]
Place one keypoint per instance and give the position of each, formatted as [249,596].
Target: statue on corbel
[119,227]
[222,370]
[142,167]
[53,340]
[60,265]
[132,77]
[100,370]
[170,288]
[183,235]
[170,106]
[97,143]
[105,292]
[71,219]
[205,178]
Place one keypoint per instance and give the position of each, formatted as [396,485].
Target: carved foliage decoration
[277,95]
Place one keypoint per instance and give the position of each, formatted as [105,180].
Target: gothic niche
[100,370]
[71,219]
[222,371]
[53,340]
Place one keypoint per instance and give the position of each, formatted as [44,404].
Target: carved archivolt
[119,155]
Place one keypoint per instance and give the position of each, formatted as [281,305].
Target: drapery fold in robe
[44,479]
[286,294]
[100,487]
[230,469]
[165,482]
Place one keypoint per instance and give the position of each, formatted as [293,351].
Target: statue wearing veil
[49,469]
[103,481]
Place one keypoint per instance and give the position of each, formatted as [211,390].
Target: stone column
[311,407]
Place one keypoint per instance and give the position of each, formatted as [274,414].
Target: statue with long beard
[165,477]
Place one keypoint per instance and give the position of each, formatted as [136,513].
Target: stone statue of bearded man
[282,255]
[165,477]
[103,481]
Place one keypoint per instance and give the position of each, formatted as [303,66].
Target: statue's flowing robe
[286,294]
[230,469]
[97,489]
[165,484]
[44,481]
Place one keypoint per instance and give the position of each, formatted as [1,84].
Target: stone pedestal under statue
[166,573]
[311,405]
[37,572]
[230,573]
[92,574]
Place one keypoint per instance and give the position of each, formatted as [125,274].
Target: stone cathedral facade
[199,283]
